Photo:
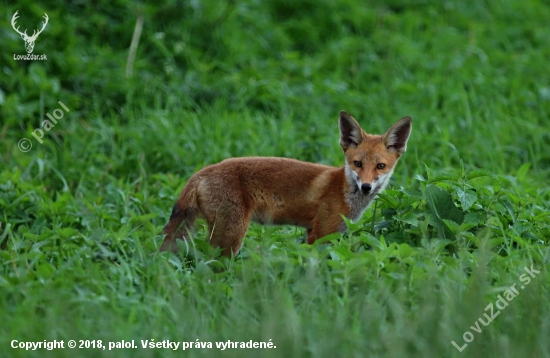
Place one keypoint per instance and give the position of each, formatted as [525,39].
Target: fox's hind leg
[228,225]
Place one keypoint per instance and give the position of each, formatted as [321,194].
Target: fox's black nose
[365,188]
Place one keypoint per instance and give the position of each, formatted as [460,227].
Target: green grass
[467,211]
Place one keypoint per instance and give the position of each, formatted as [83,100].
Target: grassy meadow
[455,250]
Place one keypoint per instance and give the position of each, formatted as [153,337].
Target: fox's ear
[397,136]
[350,131]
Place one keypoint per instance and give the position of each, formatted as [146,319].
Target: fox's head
[370,159]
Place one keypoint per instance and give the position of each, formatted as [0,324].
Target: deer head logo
[29,40]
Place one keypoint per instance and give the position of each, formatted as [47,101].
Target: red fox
[269,190]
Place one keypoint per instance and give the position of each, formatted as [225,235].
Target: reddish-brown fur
[269,190]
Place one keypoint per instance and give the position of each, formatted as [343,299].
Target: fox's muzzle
[366,188]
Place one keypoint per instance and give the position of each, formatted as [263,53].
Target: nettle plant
[456,209]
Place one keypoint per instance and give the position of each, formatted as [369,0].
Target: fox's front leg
[322,228]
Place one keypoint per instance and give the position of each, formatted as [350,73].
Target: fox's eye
[358,164]
[380,166]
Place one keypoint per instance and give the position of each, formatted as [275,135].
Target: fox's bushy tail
[183,218]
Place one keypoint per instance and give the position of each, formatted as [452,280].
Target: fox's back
[276,190]
[252,168]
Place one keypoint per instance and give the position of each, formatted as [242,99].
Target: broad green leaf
[410,218]
[476,173]
[442,205]
[495,222]
[442,208]
[467,198]
[404,251]
[473,217]
[466,226]
[412,193]
[451,225]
